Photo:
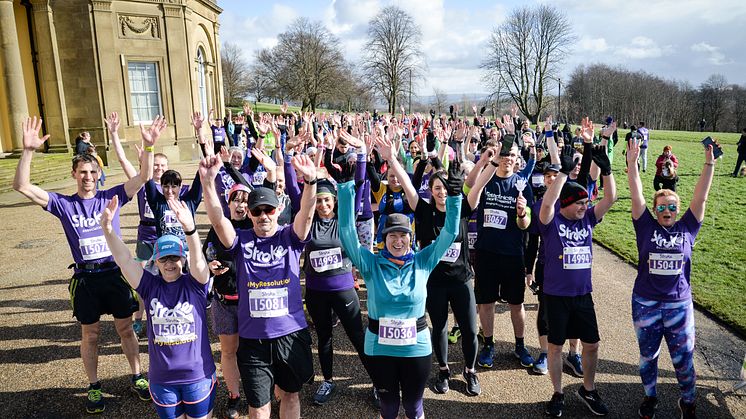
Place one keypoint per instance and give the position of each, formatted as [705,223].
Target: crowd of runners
[429,213]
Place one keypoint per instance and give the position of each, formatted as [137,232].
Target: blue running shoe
[540,364]
[575,364]
[527,361]
[484,359]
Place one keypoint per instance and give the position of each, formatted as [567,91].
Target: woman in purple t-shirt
[182,371]
[662,295]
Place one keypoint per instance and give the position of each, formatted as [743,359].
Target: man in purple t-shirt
[97,286]
[568,258]
[274,343]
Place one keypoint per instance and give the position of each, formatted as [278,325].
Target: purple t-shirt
[223,184]
[146,228]
[81,220]
[218,134]
[665,262]
[568,249]
[178,342]
[270,303]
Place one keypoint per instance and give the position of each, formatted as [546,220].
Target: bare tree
[439,99]
[392,58]
[713,96]
[304,65]
[524,53]
[236,74]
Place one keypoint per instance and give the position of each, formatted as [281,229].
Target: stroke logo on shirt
[676,240]
[181,310]
[261,258]
[86,222]
[575,236]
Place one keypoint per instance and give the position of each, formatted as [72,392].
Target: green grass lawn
[273,109]
[719,256]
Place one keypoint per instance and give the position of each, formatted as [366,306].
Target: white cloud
[593,44]
[642,47]
[715,57]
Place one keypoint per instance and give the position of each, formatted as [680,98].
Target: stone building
[74,61]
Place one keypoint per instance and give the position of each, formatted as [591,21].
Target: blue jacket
[395,291]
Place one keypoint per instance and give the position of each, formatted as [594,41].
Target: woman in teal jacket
[397,341]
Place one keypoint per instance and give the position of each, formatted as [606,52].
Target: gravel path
[42,375]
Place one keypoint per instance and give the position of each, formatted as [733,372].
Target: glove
[601,159]
[567,159]
[455,182]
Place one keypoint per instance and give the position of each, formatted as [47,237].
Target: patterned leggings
[655,320]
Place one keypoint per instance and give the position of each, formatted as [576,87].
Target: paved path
[42,375]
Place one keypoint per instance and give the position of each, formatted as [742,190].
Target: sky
[686,40]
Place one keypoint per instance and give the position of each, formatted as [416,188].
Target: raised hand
[209,168]
[455,182]
[247,110]
[351,140]
[548,123]
[587,130]
[197,120]
[601,159]
[151,135]
[112,122]
[264,159]
[386,148]
[305,166]
[224,156]
[552,150]
[568,160]
[513,110]
[609,130]
[709,154]
[508,124]
[108,214]
[31,128]
[182,213]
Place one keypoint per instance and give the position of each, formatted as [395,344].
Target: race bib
[147,212]
[537,180]
[173,330]
[169,220]
[326,260]
[268,302]
[576,257]
[665,263]
[218,139]
[495,218]
[397,332]
[92,248]
[258,178]
[472,239]
[452,254]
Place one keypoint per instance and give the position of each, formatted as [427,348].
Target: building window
[145,91]
[201,81]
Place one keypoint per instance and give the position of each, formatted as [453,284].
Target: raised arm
[386,147]
[567,164]
[702,189]
[197,263]
[112,124]
[487,173]
[149,138]
[208,169]
[454,184]
[22,180]
[131,269]
[633,177]
[304,217]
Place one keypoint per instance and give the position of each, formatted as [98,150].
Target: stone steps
[44,168]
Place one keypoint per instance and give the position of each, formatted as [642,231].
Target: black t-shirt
[224,284]
[454,265]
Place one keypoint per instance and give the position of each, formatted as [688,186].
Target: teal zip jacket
[397,292]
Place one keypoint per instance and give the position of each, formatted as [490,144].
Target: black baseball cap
[263,196]
[397,222]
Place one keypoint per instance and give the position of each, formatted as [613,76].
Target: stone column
[17,102]
[179,69]
[50,77]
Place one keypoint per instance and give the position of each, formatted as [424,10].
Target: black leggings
[461,297]
[394,374]
[346,305]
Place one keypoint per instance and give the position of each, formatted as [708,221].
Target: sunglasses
[259,210]
[171,258]
[671,207]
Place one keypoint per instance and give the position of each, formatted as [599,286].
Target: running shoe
[233,407]
[520,352]
[575,364]
[141,388]
[472,383]
[376,399]
[647,407]
[688,410]
[441,382]
[593,401]
[485,356]
[454,335]
[556,405]
[324,393]
[95,402]
[540,364]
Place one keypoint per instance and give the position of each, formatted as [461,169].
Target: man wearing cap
[274,343]
[503,214]
[97,286]
[567,238]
